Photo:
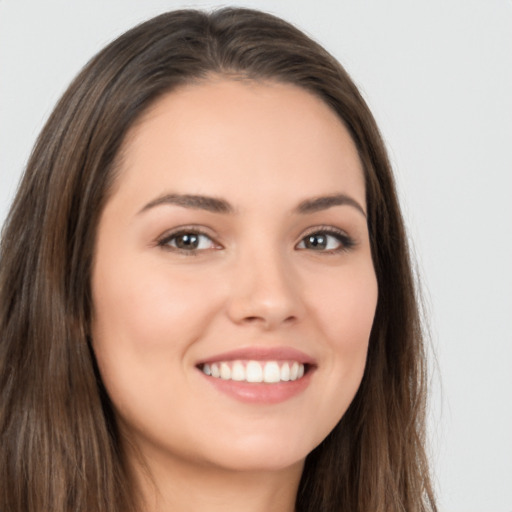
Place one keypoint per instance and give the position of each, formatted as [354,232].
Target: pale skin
[237,222]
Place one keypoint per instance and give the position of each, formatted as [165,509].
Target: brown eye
[188,241]
[327,241]
[317,242]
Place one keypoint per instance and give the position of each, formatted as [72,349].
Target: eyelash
[345,241]
[164,242]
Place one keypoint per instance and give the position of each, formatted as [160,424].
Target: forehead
[204,137]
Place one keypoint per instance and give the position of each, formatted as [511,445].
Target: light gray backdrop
[438,76]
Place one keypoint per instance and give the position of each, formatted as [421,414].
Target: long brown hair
[59,445]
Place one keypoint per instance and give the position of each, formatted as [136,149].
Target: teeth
[225,371]
[255,371]
[271,372]
[294,371]
[214,369]
[285,372]
[238,371]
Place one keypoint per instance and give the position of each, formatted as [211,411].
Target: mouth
[255,371]
[259,375]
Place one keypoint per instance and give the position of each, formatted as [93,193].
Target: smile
[251,371]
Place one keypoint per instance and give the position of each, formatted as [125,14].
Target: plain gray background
[438,77]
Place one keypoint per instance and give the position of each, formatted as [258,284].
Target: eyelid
[163,240]
[346,241]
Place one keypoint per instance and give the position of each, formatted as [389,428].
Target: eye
[188,241]
[326,240]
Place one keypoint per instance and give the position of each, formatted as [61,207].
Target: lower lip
[261,392]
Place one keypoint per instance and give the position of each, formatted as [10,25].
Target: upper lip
[261,354]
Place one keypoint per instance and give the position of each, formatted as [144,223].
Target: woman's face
[232,256]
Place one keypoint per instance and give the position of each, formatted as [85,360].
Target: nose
[264,292]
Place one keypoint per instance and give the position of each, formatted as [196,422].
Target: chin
[259,453]
[261,462]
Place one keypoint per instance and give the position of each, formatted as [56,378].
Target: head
[48,253]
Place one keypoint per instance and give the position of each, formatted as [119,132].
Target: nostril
[269,320]
[257,307]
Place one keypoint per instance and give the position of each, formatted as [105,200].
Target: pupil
[187,241]
[316,242]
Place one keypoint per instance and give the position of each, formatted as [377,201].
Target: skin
[264,148]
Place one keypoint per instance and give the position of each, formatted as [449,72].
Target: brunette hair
[59,445]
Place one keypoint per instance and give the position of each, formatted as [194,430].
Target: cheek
[345,314]
[145,307]
[346,310]
[145,320]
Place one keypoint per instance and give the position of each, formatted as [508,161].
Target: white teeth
[285,372]
[238,371]
[294,371]
[271,372]
[225,371]
[255,371]
[215,372]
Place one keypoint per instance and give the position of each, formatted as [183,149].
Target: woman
[206,294]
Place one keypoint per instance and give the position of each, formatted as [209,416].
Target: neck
[166,486]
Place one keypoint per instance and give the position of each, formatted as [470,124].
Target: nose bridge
[263,286]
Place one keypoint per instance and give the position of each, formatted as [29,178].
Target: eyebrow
[217,205]
[210,204]
[317,204]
